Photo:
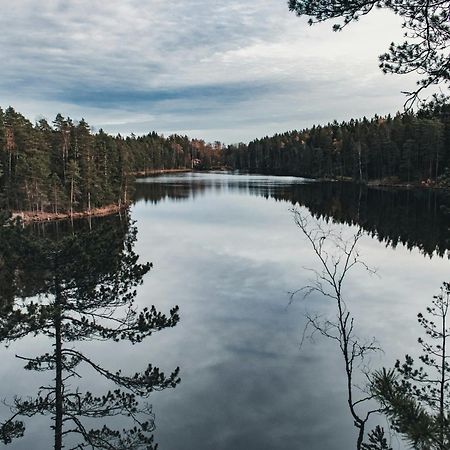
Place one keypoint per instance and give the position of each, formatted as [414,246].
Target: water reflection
[413,217]
[69,285]
[233,256]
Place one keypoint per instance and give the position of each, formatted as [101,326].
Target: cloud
[230,71]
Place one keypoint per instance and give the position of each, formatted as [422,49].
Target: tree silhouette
[427,34]
[337,257]
[417,399]
[377,440]
[84,291]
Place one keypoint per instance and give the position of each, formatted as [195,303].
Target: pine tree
[86,282]
[417,398]
[377,440]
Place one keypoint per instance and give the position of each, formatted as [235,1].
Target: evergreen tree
[427,29]
[417,398]
[86,285]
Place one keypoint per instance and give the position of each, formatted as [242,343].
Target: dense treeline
[410,147]
[155,152]
[59,167]
[65,167]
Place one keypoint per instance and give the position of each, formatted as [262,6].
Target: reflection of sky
[229,262]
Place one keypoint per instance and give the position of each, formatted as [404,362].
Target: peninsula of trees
[64,167]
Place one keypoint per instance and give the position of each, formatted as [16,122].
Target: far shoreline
[156,172]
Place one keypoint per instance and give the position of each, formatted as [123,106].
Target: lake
[226,249]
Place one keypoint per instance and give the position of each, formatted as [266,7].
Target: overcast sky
[228,71]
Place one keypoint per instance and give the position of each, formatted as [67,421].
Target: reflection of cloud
[228,260]
[228,71]
[236,343]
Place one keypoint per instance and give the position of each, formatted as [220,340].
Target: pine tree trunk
[443,381]
[437,162]
[359,161]
[71,197]
[58,377]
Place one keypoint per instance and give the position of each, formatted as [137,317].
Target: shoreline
[156,172]
[386,183]
[374,183]
[28,217]
[424,185]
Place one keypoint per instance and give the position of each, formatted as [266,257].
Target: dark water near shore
[225,248]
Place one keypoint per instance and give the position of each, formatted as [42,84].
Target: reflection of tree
[337,257]
[11,429]
[84,290]
[416,218]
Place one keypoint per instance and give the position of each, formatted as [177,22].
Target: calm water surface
[225,248]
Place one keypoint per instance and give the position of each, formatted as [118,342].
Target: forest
[65,166]
[409,147]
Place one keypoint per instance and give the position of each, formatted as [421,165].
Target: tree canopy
[426,25]
[415,398]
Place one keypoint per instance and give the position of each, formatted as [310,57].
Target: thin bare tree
[338,256]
